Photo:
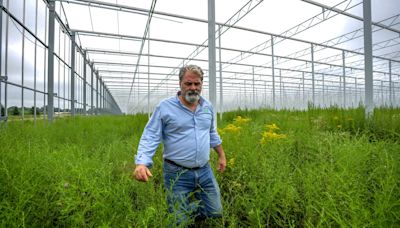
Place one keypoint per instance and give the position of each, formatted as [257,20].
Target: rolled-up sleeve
[151,138]
[215,140]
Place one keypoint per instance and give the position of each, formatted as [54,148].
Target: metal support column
[382,100]
[245,93]
[105,104]
[344,79]
[84,83]
[323,90]
[280,90]
[356,93]
[23,63]
[58,62]
[265,94]
[212,56]
[106,99]
[50,62]
[369,86]
[297,105]
[103,96]
[390,84]
[34,65]
[273,73]
[312,74]
[92,88]
[100,96]
[72,78]
[45,62]
[239,101]
[254,92]
[1,59]
[6,65]
[395,102]
[221,97]
[148,73]
[97,93]
[303,88]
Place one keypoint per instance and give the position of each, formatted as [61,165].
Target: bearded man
[185,125]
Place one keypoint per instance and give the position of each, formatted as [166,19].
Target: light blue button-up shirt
[187,136]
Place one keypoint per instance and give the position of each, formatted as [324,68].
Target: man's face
[191,87]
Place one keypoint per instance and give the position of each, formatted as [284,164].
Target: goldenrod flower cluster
[272,127]
[234,127]
[240,120]
[231,128]
[270,134]
[231,162]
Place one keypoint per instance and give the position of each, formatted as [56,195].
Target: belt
[181,166]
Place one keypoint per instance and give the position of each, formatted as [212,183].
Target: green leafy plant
[77,171]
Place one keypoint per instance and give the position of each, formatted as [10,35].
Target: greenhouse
[304,95]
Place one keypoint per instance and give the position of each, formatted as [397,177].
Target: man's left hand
[221,164]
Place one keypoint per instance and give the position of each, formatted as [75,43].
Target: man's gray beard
[192,98]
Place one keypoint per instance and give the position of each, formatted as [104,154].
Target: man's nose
[193,87]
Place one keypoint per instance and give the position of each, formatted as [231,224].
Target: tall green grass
[334,168]
[75,172]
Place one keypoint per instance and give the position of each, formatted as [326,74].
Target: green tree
[3,110]
[32,110]
[15,111]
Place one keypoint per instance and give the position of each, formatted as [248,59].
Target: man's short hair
[193,68]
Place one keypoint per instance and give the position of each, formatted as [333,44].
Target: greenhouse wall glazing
[114,57]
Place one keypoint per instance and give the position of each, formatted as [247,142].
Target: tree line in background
[16,111]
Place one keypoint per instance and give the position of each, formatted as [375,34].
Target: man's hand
[221,164]
[142,173]
[221,158]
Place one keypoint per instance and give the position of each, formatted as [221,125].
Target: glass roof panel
[116,28]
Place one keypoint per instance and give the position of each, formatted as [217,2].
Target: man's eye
[192,83]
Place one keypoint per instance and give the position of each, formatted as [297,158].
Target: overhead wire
[152,7]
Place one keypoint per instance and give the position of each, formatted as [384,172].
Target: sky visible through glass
[111,33]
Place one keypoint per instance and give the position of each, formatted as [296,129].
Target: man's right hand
[142,173]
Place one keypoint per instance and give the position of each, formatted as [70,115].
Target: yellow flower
[232,128]
[220,131]
[240,120]
[263,141]
[269,136]
[339,126]
[236,184]
[273,135]
[231,162]
[272,127]
[335,118]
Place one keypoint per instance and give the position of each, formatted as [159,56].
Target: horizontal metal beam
[249,65]
[229,49]
[128,37]
[325,7]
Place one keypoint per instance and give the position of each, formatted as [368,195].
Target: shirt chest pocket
[204,121]
[175,123]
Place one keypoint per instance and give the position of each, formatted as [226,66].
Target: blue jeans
[192,192]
